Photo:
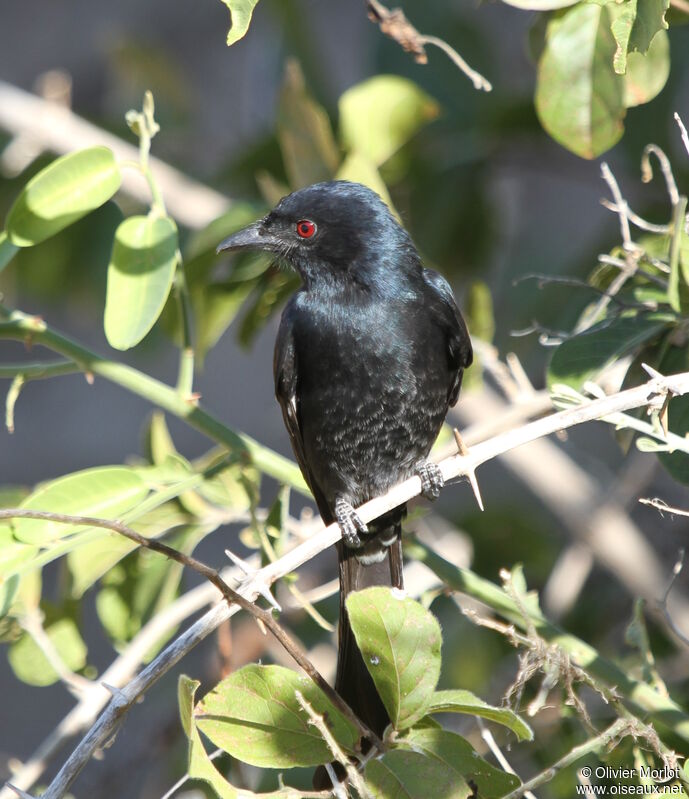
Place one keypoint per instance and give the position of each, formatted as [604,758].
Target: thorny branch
[394,23]
[265,617]
[451,468]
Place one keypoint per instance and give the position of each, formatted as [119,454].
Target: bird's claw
[432,479]
[350,524]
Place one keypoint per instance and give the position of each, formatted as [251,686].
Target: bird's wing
[459,349]
[286,374]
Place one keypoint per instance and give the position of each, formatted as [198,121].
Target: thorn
[261,625]
[461,446]
[473,482]
[260,587]
[89,377]
[193,399]
[239,563]
[18,791]
[116,692]
[650,371]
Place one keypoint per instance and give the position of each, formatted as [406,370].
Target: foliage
[595,60]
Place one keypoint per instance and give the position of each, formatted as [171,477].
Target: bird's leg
[432,479]
[350,523]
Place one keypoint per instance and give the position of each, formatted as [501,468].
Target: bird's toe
[432,479]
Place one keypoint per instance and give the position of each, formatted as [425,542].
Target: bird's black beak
[253,237]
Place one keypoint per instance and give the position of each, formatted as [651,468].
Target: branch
[265,617]
[21,327]
[452,467]
[58,129]
[608,738]
[393,23]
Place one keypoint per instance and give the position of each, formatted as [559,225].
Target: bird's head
[327,231]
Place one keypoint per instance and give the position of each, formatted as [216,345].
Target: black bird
[368,358]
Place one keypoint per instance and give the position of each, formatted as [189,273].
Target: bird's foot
[432,479]
[350,523]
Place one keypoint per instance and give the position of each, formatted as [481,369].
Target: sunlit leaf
[61,193]
[254,715]
[579,97]
[359,169]
[31,666]
[456,753]
[140,274]
[306,139]
[647,74]
[461,701]
[104,492]
[240,11]
[400,643]
[381,114]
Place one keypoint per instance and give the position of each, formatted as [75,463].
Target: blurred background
[487,196]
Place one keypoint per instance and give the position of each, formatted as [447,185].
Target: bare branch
[58,129]
[451,468]
[682,128]
[394,23]
[665,168]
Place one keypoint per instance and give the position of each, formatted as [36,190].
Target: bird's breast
[372,391]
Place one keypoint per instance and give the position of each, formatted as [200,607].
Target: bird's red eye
[305,228]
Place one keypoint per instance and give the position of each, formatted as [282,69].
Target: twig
[394,23]
[318,722]
[635,219]
[498,754]
[665,168]
[58,129]
[621,205]
[31,623]
[682,127]
[20,326]
[231,596]
[607,738]
[451,467]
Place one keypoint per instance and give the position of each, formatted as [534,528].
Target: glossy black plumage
[369,356]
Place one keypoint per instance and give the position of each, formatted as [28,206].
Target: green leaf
[455,752]
[677,463]
[647,74]
[400,643]
[461,701]
[7,250]
[304,133]
[381,114]
[140,273]
[267,726]
[31,666]
[585,356]
[105,492]
[89,561]
[63,192]
[200,765]
[623,16]
[240,11]
[402,774]
[579,97]
[650,19]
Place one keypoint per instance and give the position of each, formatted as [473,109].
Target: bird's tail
[353,681]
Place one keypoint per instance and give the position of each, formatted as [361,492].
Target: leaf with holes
[63,192]
[400,642]
[579,96]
